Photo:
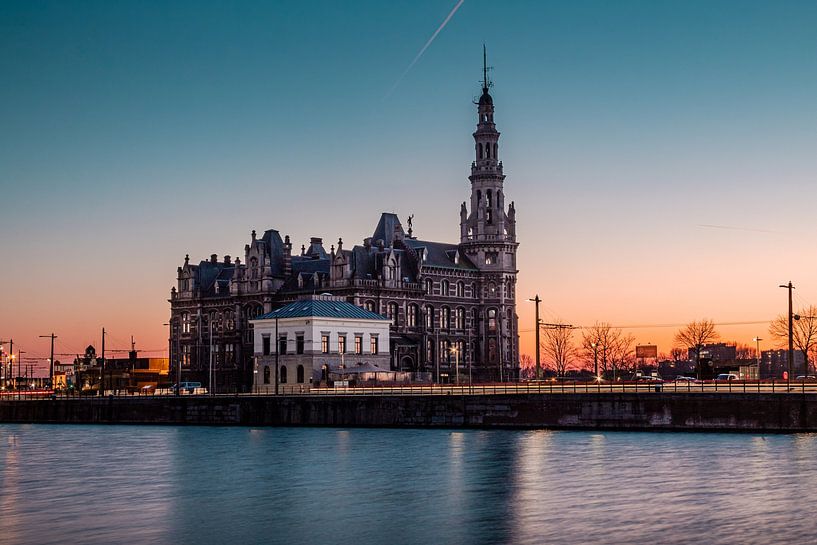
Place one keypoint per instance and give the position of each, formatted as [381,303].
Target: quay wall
[787,412]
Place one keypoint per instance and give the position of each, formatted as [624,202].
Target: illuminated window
[358,344]
[325,344]
[373,346]
[341,344]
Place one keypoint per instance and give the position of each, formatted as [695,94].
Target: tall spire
[486,83]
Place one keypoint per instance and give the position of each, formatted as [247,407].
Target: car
[727,376]
[806,377]
[647,378]
[682,378]
[189,387]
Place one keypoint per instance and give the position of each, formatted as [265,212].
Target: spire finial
[484,68]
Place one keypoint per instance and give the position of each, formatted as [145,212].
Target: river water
[145,484]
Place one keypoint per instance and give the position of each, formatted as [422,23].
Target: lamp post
[790,287]
[456,351]
[595,359]
[50,360]
[757,355]
[12,357]
[537,300]
[9,362]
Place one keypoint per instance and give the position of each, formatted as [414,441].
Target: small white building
[314,337]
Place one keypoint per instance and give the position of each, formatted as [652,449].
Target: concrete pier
[625,411]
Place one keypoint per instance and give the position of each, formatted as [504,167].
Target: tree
[606,345]
[527,367]
[804,332]
[695,336]
[622,353]
[679,354]
[745,352]
[557,345]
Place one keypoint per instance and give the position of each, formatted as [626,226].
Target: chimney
[287,256]
[213,258]
[227,260]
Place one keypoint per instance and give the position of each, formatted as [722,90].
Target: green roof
[322,309]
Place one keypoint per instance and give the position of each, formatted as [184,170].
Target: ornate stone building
[452,306]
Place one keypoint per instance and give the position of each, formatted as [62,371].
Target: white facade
[313,349]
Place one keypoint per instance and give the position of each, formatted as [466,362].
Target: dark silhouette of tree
[613,349]
[804,332]
[558,347]
[695,335]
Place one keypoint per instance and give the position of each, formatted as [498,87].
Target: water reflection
[107,484]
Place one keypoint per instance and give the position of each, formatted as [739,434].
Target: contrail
[423,50]
[730,228]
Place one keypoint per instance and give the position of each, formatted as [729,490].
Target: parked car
[187,387]
[727,376]
[647,378]
[682,378]
[806,377]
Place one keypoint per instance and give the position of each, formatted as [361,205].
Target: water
[132,484]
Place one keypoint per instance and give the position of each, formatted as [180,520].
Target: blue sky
[135,132]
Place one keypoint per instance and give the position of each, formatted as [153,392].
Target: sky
[662,155]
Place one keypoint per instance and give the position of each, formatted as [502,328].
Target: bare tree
[745,352]
[695,335]
[606,345]
[622,353]
[804,332]
[527,367]
[679,354]
[558,347]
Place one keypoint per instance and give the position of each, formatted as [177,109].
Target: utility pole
[210,351]
[277,343]
[19,372]
[51,361]
[102,367]
[595,359]
[791,334]
[537,300]
[8,371]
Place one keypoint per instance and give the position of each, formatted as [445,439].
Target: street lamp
[596,360]
[757,355]
[537,300]
[792,317]
[456,351]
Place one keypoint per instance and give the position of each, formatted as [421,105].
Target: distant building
[717,353]
[314,337]
[129,374]
[774,362]
[446,301]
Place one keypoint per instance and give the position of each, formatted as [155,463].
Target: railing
[506,388]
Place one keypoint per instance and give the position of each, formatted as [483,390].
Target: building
[314,337]
[774,362]
[716,352]
[130,374]
[447,301]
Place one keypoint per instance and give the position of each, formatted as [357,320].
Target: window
[185,322]
[300,374]
[299,344]
[492,319]
[460,289]
[429,317]
[412,315]
[283,374]
[490,259]
[265,344]
[445,289]
[266,374]
[341,344]
[324,344]
[229,355]
[282,344]
[358,344]
[392,313]
[479,154]
[373,341]
[496,151]
[186,355]
[254,268]
[459,318]
[430,351]
[445,318]
[429,286]
[369,305]
[445,351]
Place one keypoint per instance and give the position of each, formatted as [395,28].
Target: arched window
[460,289]
[429,312]
[429,286]
[492,319]
[479,155]
[488,198]
[445,350]
[459,320]
[283,374]
[369,305]
[445,288]
[479,197]
[496,153]
[412,315]
[300,374]
[445,318]
[429,350]
[392,313]
[266,374]
[487,151]
[185,322]
[254,268]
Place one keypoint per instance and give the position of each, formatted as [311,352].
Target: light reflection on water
[120,484]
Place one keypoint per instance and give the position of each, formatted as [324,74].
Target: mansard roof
[209,272]
[275,250]
[322,309]
[387,226]
[441,254]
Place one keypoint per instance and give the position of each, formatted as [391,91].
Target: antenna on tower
[486,83]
